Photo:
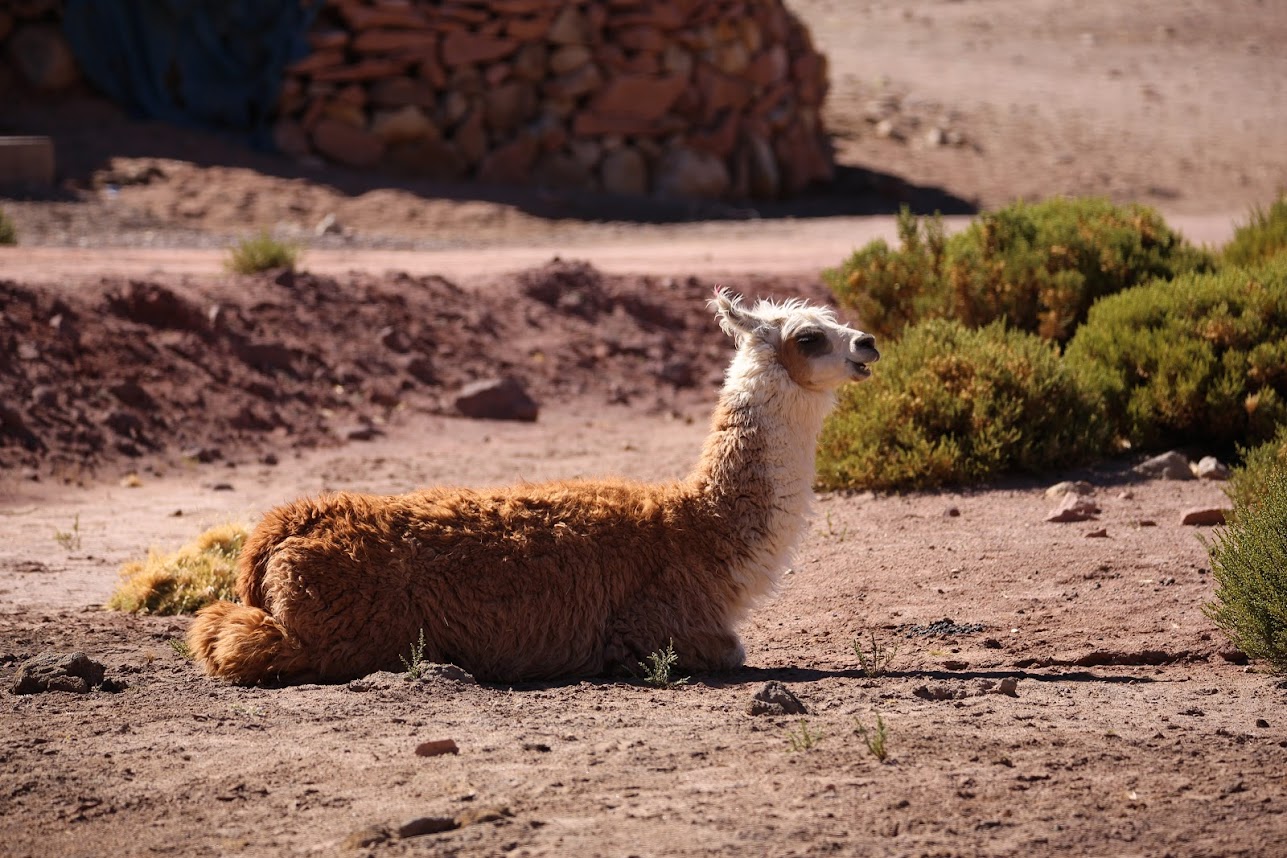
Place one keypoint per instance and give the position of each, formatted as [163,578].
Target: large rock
[342,142]
[55,671]
[638,96]
[1173,465]
[1204,515]
[461,47]
[686,174]
[41,54]
[403,124]
[624,171]
[497,399]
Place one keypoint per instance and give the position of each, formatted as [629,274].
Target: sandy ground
[1133,729]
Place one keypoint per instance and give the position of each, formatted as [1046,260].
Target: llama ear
[730,314]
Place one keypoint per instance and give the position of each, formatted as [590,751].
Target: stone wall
[713,99]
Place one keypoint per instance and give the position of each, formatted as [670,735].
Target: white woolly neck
[761,450]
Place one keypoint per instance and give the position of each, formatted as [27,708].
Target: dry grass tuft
[186,580]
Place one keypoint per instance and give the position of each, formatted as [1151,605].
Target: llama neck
[756,472]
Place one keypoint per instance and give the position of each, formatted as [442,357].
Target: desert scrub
[1038,266]
[954,405]
[1261,238]
[1249,564]
[661,664]
[8,235]
[1249,482]
[201,572]
[261,252]
[1200,360]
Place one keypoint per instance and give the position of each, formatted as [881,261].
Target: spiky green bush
[261,252]
[1261,238]
[951,404]
[1038,266]
[1198,360]
[1248,483]
[8,235]
[1249,563]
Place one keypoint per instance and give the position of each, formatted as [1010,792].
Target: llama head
[816,351]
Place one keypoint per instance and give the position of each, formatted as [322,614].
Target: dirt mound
[116,369]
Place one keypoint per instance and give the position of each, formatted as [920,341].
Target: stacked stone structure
[707,99]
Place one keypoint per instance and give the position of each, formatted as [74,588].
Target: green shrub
[1249,563]
[1198,360]
[262,252]
[201,572]
[1261,238]
[1249,482]
[8,235]
[952,404]
[1038,266]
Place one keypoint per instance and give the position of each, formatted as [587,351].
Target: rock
[1078,487]
[426,825]
[952,512]
[569,58]
[359,432]
[1211,468]
[328,225]
[1102,533]
[624,171]
[475,815]
[510,163]
[1235,656]
[204,455]
[574,84]
[436,748]
[1168,466]
[637,96]
[1204,515]
[53,671]
[461,47]
[403,124]
[763,175]
[372,835]
[686,174]
[1073,508]
[775,699]
[496,399]
[41,54]
[569,28]
[1008,686]
[939,692]
[402,91]
[351,146]
[507,105]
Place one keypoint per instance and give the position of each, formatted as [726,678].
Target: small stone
[1102,533]
[402,124]
[436,748]
[938,692]
[1204,515]
[1008,686]
[360,433]
[991,643]
[497,399]
[222,487]
[204,455]
[569,28]
[1073,508]
[426,825]
[1235,656]
[1262,723]
[955,664]
[1077,487]
[774,698]
[366,837]
[1168,466]
[476,815]
[952,512]
[1211,468]
[328,225]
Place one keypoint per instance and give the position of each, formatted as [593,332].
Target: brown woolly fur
[562,579]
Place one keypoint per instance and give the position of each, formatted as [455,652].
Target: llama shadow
[754,675]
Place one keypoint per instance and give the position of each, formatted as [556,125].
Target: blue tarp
[214,64]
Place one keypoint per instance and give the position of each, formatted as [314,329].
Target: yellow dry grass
[185,580]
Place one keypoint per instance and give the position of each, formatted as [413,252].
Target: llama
[571,578]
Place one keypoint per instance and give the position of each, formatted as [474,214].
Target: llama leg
[711,651]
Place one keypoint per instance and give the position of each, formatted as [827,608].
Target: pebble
[774,698]
[1172,465]
[1073,508]
[1203,515]
[1076,487]
[436,748]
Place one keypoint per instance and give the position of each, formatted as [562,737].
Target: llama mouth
[859,370]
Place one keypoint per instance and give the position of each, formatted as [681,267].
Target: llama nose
[864,341]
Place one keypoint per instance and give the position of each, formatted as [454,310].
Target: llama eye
[812,343]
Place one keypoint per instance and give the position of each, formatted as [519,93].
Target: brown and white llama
[561,579]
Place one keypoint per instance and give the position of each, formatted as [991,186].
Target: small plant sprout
[660,664]
[876,738]
[69,539]
[804,738]
[417,666]
[876,658]
[181,649]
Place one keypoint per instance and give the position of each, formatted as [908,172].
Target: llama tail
[244,645]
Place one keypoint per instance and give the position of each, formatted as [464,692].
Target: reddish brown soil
[1132,733]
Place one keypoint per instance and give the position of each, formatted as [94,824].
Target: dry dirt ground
[1132,729]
